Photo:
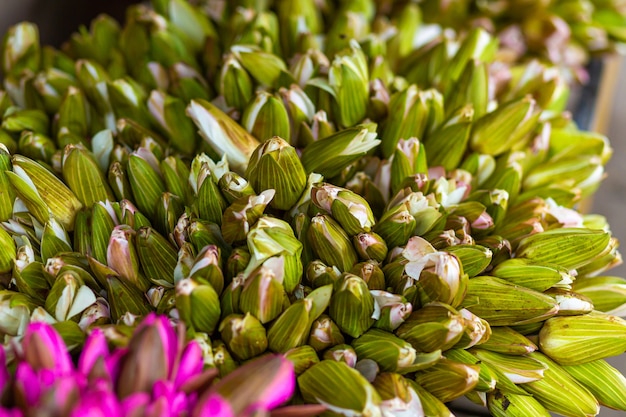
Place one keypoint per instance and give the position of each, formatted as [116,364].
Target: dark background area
[57,19]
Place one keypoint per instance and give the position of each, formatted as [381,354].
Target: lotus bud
[54,240]
[233,186]
[332,154]
[242,214]
[548,391]
[352,306]
[157,256]
[433,327]
[523,405]
[266,117]
[397,394]
[263,294]
[459,379]
[237,262]
[223,135]
[301,111]
[235,83]
[324,334]
[128,299]
[275,165]
[370,246]
[348,208]
[206,268]
[390,310]
[331,243]
[302,357]
[244,335]
[192,296]
[264,67]
[322,382]
[341,353]
[371,273]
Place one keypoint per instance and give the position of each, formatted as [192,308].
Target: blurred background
[606,113]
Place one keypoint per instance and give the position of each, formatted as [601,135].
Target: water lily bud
[242,214]
[341,353]
[157,256]
[323,382]
[324,334]
[370,246]
[266,117]
[348,208]
[390,310]
[68,297]
[244,335]
[275,165]
[193,297]
[397,394]
[263,295]
[459,379]
[435,326]
[302,357]
[331,243]
[206,268]
[235,83]
[352,305]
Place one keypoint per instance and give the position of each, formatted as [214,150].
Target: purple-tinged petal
[176,401]
[27,384]
[14,412]
[44,349]
[214,406]
[113,362]
[4,372]
[95,350]
[98,403]
[261,384]
[190,365]
[135,404]
[60,398]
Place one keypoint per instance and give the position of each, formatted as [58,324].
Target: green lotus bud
[608,294]
[486,378]
[223,135]
[435,326]
[325,383]
[518,369]
[408,159]
[233,186]
[302,358]
[198,305]
[237,262]
[474,258]
[206,268]
[503,304]
[169,113]
[329,156]
[371,273]
[175,174]
[21,50]
[54,240]
[341,353]
[448,380]
[244,335]
[8,252]
[397,395]
[127,100]
[41,191]
[235,83]
[349,209]
[508,404]
[242,214]
[331,243]
[263,294]
[505,127]
[68,297]
[275,165]
[576,246]
[392,353]
[229,301]
[370,246]
[291,329]
[266,117]
[570,303]
[222,359]
[118,181]
[297,19]
[508,341]
[396,226]
[301,112]
[324,334]
[446,146]
[157,257]
[273,238]
[549,390]
[122,256]
[145,181]
[202,233]
[36,146]
[581,339]
[390,310]
[264,67]
[128,299]
[606,383]
[132,217]
[84,177]
[352,305]
[348,78]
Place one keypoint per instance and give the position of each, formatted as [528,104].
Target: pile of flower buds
[390,209]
